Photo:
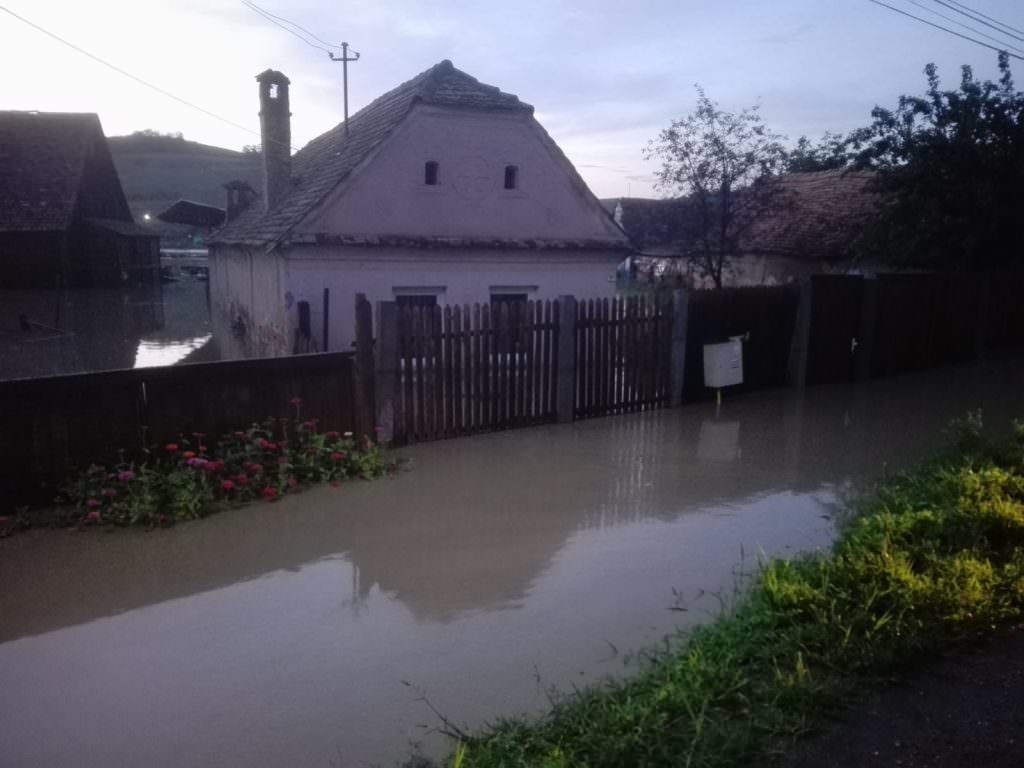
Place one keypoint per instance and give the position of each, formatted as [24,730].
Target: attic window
[511,176]
[273,90]
[430,173]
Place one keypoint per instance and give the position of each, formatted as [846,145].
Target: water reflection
[293,624]
[44,333]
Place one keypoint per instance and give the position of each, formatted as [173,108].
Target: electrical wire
[982,15]
[968,27]
[274,19]
[129,75]
[946,29]
[974,18]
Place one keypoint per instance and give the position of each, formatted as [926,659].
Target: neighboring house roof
[327,160]
[123,228]
[814,215]
[193,214]
[42,158]
[818,217]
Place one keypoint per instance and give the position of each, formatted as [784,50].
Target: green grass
[933,558]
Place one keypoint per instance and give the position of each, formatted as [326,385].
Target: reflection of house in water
[45,333]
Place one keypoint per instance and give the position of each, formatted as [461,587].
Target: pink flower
[92,517]
[92,503]
[214,466]
[296,401]
[241,480]
[189,454]
[254,468]
[337,456]
[332,435]
[292,482]
[171,447]
[126,476]
[109,493]
[228,486]
[4,520]
[269,493]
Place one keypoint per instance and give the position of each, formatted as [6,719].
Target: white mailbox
[723,364]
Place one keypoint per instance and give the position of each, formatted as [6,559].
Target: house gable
[497,177]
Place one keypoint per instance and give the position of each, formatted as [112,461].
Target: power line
[946,29]
[129,75]
[979,13]
[951,20]
[975,18]
[273,19]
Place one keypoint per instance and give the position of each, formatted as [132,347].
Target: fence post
[364,367]
[565,400]
[801,335]
[386,368]
[866,334]
[677,355]
[981,321]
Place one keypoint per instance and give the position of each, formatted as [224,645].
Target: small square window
[430,173]
[511,176]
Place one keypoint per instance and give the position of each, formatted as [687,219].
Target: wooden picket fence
[474,369]
[622,355]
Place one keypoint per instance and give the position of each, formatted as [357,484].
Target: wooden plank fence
[467,369]
[623,351]
[53,425]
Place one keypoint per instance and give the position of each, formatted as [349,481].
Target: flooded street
[45,333]
[305,632]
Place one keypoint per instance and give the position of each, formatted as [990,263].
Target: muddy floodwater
[304,633]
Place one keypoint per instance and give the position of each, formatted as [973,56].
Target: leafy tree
[251,149]
[828,154]
[950,172]
[723,163]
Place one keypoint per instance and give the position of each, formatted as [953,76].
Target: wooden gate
[834,340]
[475,369]
[623,350]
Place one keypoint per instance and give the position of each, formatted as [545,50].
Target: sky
[605,77]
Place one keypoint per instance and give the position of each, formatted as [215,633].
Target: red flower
[189,454]
[263,442]
[92,503]
[162,519]
[254,467]
[273,447]
[241,480]
[214,466]
[296,401]
[332,435]
[269,493]
[126,476]
[4,520]
[171,447]
[292,482]
[203,449]
[337,456]
[228,486]
[93,517]
[109,493]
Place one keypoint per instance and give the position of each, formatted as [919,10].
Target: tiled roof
[42,156]
[327,160]
[818,215]
[814,215]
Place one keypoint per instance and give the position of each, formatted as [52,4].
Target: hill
[156,170]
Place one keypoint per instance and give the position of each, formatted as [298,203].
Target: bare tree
[723,164]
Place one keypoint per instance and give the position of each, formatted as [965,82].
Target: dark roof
[653,226]
[813,215]
[194,214]
[124,228]
[327,160]
[42,158]
[818,217]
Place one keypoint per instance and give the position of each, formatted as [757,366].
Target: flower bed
[194,476]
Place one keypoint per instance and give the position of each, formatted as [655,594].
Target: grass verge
[933,558]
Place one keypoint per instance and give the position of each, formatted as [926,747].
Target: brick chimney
[276,132]
[240,196]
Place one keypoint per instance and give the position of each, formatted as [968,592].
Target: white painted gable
[388,196]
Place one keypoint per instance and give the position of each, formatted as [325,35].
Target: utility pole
[344,59]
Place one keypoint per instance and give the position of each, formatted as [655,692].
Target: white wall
[247,284]
[466,276]
[387,194]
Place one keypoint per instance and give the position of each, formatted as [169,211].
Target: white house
[443,190]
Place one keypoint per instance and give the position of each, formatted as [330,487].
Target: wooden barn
[64,220]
